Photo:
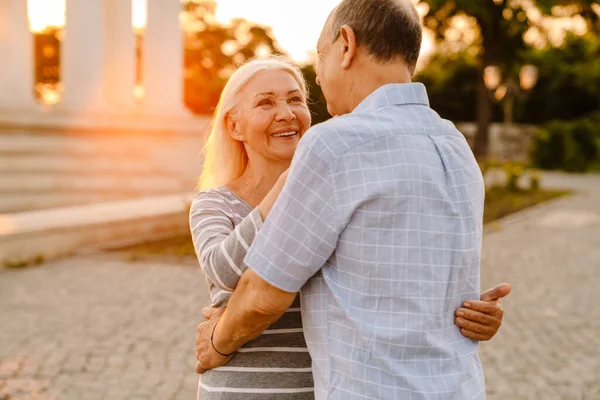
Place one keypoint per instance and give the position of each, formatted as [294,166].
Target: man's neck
[371,76]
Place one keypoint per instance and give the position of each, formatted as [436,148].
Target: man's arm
[252,308]
[294,243]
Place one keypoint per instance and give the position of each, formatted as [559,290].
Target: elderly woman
[261,116]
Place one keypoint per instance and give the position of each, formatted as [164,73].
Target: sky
[296,29]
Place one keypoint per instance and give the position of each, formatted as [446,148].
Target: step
[48,182]
[140,121]
[65,164]
[95,144]
[27,237]
[17,202]
[26,143]
[167,155]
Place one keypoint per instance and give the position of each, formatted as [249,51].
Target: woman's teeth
[284,134]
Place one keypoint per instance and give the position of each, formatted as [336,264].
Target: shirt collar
[394,94]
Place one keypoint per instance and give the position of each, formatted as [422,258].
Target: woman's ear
[232,127]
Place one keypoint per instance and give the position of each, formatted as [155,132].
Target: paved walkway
[100,327]
[549,345]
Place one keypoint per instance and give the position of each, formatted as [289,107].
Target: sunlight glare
[139,16]
[44,13]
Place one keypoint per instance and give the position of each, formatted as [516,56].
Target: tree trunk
[491,35]
[484,115]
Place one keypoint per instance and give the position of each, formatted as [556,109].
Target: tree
[569,81]
[501,26]
[568,87]
[213,51]
[588,9]
[451,81]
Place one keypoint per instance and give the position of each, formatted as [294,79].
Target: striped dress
[275,365]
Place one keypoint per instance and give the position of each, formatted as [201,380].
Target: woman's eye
[296,99]
[265,102]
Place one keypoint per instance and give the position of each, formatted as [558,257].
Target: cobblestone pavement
[99,327]
[90,328]
[549,344]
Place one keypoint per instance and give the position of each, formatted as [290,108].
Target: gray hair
[387,28]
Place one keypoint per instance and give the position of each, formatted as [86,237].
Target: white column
[82,56]
[120,60]
[17,69]
[162,54]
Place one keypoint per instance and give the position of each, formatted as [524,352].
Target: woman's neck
[262,174]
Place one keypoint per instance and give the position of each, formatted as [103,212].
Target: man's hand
[206,355]
[480,320]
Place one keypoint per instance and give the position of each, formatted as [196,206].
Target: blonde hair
[225,158]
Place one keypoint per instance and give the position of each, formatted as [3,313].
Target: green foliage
[580,7]
[568,145]
[569,81]
[513,174]
[534,181]
[501,24]
[213,51]
[451,81]
[568,86]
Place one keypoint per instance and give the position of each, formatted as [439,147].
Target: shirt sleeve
[219,246]
[302,228]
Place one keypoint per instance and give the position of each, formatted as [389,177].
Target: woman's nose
[285,113]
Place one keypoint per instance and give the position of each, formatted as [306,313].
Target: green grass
[23,263]
[178,246]
[595,166]
[499,203]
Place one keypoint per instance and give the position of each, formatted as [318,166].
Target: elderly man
[379,226]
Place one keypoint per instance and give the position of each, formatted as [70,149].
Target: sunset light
[140,14]
[44,13]
[296,32]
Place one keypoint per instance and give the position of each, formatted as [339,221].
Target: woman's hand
[267,203]
[481,319]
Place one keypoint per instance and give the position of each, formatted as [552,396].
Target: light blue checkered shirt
[379,226]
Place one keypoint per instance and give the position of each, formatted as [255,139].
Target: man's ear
[232,127]
[348,46]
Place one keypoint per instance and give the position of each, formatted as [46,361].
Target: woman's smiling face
[272,115]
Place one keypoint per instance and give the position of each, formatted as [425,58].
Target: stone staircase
[78,190]
[42,170]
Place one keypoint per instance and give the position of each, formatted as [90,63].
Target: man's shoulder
[321,132]
[334,137]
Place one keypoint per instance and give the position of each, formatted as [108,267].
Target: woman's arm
[219,245]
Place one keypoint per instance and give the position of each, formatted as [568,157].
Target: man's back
[378,317]
[379,226]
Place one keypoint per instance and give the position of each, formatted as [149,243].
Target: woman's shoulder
[219,199]
[212,198]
